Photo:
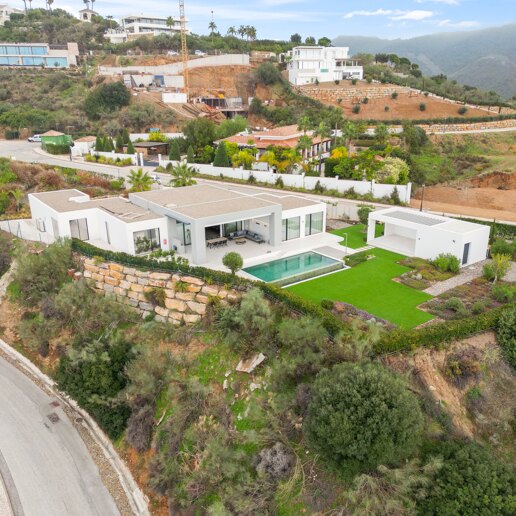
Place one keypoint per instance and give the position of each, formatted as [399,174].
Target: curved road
[44,463]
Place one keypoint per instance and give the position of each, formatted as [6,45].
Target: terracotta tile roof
[252,140]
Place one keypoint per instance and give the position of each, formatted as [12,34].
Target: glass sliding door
[314,223]
[79,229]
[290,228]
[146,240]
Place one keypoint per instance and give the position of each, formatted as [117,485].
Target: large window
[146,240]
[184,233]
[314,223]
[290,228]
[232,227]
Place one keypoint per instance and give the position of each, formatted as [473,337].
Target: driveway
[44,463]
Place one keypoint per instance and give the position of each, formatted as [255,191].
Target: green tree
[414,137]
[125,136]
[296,38]
[470,481]
[310,40]
[107,97]
[506,335]
[362,415]
[363,213]
[130,148]
[119,143]
[190,155]
[199,132]
[243,158]
[268,74]
[221,156]
[99,144]
[381,134]
[324,42]
[233,261]
[323,132]
[174,152]
[182,175]
[139,180]
[17,194]
[393,171]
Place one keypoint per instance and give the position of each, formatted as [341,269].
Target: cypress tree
[125,136]
[130,148]
[98,144]
[190,156]
[221,156]
[174,153]
[109,144]
[119,143]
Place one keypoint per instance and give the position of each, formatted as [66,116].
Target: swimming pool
[296,265]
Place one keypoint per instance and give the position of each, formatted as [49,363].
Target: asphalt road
[46,465]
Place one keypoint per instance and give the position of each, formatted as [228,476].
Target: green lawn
[370,287]
[356,235]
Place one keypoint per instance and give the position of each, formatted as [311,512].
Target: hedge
[275,293]
[53,148]
[446,121]
[437,335]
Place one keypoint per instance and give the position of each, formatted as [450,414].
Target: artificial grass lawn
[370,287]
[356,235]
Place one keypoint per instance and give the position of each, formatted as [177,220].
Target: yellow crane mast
[184,47]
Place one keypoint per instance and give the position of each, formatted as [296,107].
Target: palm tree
[87,3]
[213,27]
[139,180]
[350,132]
[304,124]
[170,22]
[17,196]
[49,4]
[25,6]
[304,144]
[92,2]
[231,31]
[323,132]
[251,32]
[241,31]
[182,175]
[30,5]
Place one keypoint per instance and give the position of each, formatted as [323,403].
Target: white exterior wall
[323,64]
[302,213]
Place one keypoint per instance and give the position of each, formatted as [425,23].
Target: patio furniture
[245,233]
[240,241]
[217,242]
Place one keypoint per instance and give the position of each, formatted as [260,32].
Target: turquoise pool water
[291,266]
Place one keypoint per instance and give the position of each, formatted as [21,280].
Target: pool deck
[256,254]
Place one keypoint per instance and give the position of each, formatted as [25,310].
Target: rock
[131,278]
[210,290]
[125,285]
[192,280]
[136,288]
[148,307]
[250,364]
[161,276]
[141,274]
[87,274]
[108,287]
[116,267]
[111,281]
[225,385]
[191,318]
[129,270]
[193,288]
[143,281]
[253,386]
[198,308]
[161,311]
[175,304]
[185,296]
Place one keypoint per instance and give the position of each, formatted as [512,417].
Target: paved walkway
[466,275]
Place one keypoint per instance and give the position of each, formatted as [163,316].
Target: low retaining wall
[377,190]
[129,286]
[475,126]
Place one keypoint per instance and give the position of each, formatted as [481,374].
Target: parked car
[199,53]
[34,138]
[156,178]
[172,53]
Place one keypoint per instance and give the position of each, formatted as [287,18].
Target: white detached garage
[413,233]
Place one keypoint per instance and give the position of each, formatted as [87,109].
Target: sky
[278,19]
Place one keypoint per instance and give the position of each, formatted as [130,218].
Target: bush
[501,246]
[463,110]
[361,416]
[356,109]
[506,335]
[5,255]
[497,268]
[156,296]
[470,481]
[447,263]
[455,304]
[268,74]
[365,100]
[394,95]
[52,148]
[503,293]
[106,97]
[488,271]
[42,275]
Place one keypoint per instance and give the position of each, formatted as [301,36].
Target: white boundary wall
[176,68]
[378,190]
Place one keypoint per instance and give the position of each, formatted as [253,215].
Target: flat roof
[203,201]
[149,144]
[64,201]
[415,218]
[288,202]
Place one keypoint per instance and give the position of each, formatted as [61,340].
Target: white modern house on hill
[39,55]
[6,11]
[192,220]
[413,233]
[310,64]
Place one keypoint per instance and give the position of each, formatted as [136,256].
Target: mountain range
[484,58]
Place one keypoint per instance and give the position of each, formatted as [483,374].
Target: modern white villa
[199,222]
[413,233]
[39,55]
[310,64]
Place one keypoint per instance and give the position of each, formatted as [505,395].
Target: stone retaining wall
[475,126]
[129,285]
[333,94]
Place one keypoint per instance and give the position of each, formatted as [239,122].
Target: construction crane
[184,47]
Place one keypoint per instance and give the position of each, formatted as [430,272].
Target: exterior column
[198,243]
[275,228]
[371,228]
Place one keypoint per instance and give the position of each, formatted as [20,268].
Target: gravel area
[466,275]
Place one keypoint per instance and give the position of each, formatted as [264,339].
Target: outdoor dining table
[217,242]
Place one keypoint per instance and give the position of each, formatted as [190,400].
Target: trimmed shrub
[233,261]
[447,263]
[356,109]
[503,293]
[362,415]
[394,95]
[506,335]
[422,106]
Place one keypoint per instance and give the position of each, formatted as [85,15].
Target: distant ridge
[484,58]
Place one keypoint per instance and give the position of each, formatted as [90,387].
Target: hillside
[483,58]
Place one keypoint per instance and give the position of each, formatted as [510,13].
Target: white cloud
[447,2]
[414,15]
[395,15]
[466,24]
